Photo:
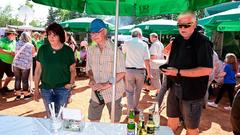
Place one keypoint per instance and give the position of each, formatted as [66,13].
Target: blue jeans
[57,95]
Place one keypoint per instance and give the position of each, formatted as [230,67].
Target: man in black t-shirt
[190,63]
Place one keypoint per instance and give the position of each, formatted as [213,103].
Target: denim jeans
[57,95]
[21,76]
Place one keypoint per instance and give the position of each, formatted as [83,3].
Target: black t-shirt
[187,54]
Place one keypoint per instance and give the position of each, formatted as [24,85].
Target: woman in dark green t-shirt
[55,68]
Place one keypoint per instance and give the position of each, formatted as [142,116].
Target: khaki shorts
[155,81]
[95,110]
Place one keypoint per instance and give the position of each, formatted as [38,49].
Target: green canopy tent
[160,26]
[229,26]
[128,8]
[213,21]
[125,30]
[221,7]
[228,21]
[81,24]
[224,21]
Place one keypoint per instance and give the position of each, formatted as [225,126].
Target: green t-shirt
[55,66]
[7,45]
[37,43]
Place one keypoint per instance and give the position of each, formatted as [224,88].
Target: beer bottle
[143,130]
[150,125]
[131,123]
[140,123]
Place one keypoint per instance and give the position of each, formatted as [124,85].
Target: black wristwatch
[178,72]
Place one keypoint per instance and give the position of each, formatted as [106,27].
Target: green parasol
[160,26]
[130,7]
[81,24]
[125,30]
[224,21]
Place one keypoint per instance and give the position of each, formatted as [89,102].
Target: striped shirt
[101,64]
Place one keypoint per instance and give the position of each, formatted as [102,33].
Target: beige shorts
[95,110]
[155,81]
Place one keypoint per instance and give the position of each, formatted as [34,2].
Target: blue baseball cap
[97,25]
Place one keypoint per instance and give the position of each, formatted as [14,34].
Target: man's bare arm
[195,72]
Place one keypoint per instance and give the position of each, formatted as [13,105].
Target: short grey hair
[154,35]
[136,32]
[25,37]
[188,13]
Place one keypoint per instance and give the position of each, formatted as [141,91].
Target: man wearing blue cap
[100,70]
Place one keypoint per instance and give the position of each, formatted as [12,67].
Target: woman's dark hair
[56,29]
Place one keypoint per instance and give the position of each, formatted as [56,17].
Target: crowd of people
[191,66]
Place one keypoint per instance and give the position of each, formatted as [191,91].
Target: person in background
[231,68]
[137,61]
[7,48]
[155,54]
[189,66]
[21,65]
[167,49]
[55,68]
[81,58]
[36,40]
[70,41]
[164,87]
[217,72]
[100,70]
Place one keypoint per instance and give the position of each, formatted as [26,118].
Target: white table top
[14,125]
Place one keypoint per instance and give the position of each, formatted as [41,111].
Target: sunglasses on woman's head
[184,25]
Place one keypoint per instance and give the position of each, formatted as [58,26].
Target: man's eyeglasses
[184,25]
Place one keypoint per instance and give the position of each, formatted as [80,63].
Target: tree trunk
[217,39]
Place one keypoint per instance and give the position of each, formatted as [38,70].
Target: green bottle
[143,130]
[131,123]
[150,125]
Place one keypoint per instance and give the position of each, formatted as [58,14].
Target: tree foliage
[6,17]
[59,15]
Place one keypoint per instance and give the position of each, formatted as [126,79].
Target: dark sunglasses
[185,25]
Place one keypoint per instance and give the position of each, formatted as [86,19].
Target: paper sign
[72,114]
